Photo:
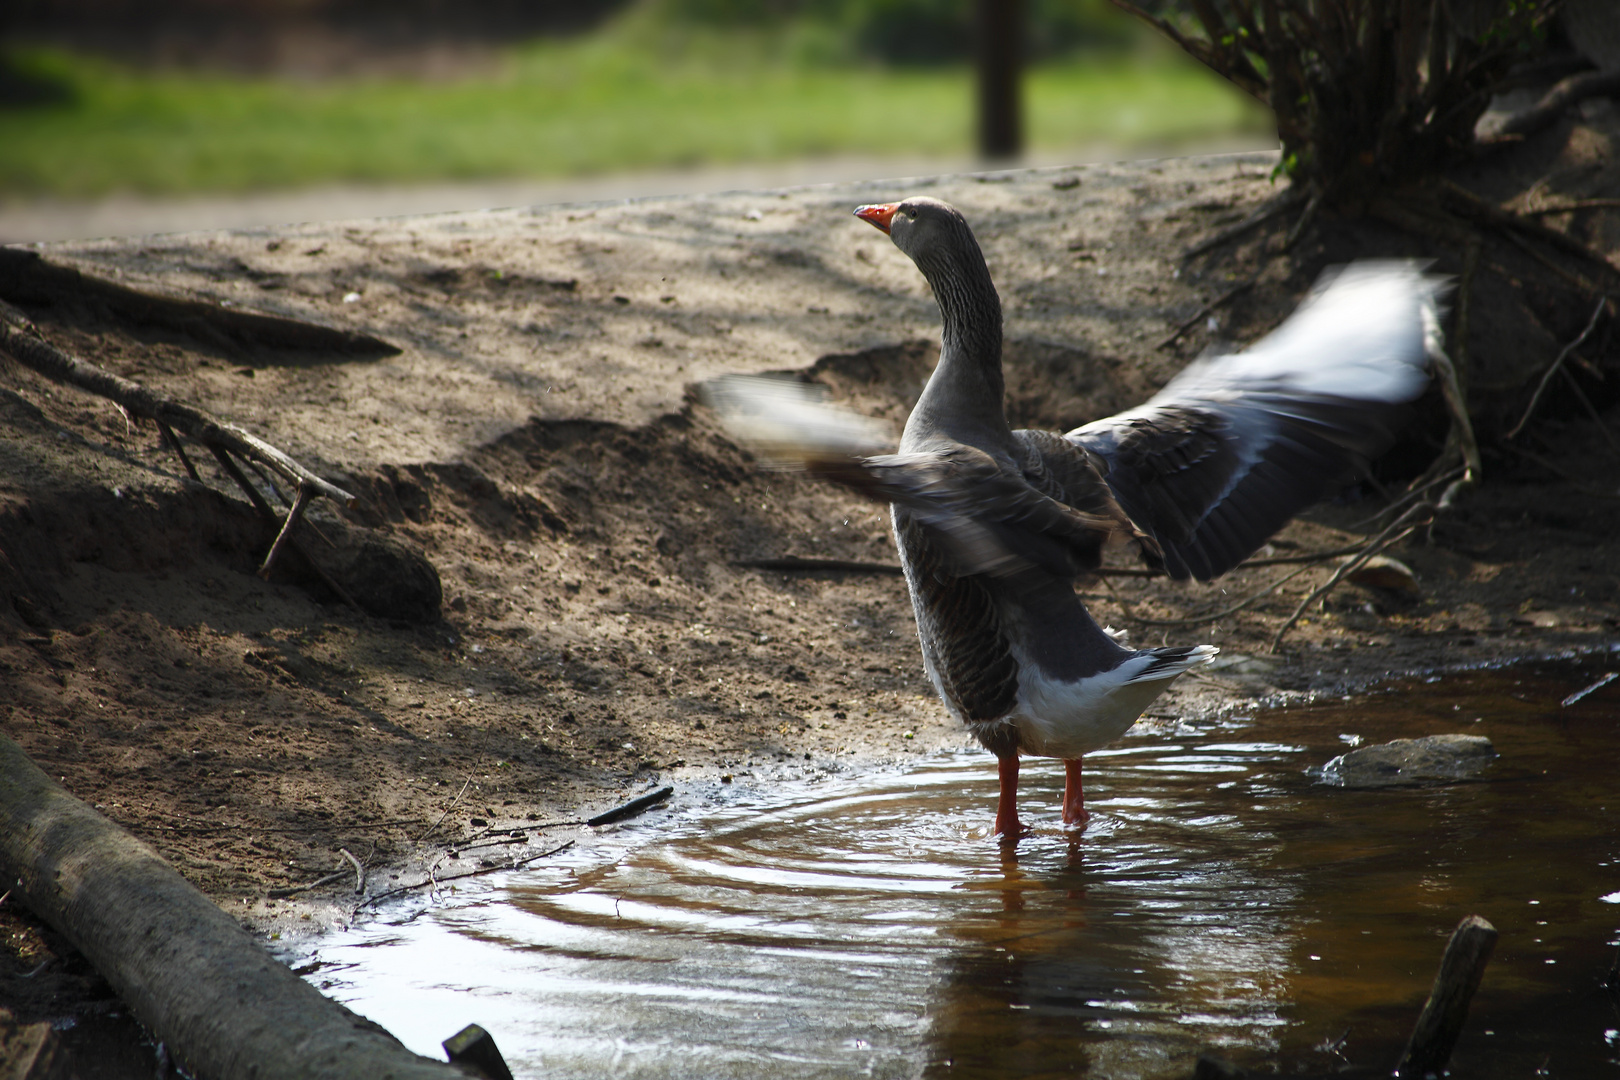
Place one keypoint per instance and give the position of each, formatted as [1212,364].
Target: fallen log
[206,988]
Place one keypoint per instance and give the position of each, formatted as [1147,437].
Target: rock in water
[1433,759]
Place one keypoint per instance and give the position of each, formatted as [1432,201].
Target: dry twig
[294,890]
[434,881]
[1280,205]
[1251,599]
[359,871]
[1399,530]
[22,340]
[440,820]
[1558,362]
[1572,206]
[1201,313]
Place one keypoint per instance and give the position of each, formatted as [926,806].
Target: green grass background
[609,101]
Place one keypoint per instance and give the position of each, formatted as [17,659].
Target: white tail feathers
[788,424]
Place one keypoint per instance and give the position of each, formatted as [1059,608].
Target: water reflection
[1221,900]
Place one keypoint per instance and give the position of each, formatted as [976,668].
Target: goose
[994,526]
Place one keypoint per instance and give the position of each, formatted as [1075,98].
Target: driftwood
[635,807]
[204,986]
[1443,1014]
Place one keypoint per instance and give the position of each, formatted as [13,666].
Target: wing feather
[1237,444]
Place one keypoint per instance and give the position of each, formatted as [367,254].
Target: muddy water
[1222,900]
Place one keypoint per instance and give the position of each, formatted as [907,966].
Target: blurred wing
[1236,445]
[987,514]
[787,423]
[989,517]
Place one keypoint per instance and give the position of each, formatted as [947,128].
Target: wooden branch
[798,562]
[21,340]
[262,505]
[1249,81]
[440,819]
[200,983]
[1209,617]
[359,870]
[1279,205]
[172,441]
[1471,205]
[635,807]
[1461,970]
[1462,426]
[1591,410]
[434,881]
[294,890]
[1572,206]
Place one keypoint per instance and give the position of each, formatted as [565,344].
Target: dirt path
[31,220]
[537,439]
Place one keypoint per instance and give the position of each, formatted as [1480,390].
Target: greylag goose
[995,525]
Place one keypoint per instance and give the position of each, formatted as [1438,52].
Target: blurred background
[134,116]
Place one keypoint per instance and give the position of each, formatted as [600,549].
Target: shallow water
[1222,900]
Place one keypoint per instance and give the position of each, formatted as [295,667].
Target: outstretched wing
[1237,444]
[991,519]
[1048,510]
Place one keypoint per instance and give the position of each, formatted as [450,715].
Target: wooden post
[1447,1008]
[473,1048]
[999,49]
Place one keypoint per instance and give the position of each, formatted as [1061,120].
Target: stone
[1382,572]
[1432,759]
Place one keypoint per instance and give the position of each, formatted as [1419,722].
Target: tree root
[1280,204]
[26,278]
[1553,104]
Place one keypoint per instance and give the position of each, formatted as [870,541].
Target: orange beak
[878,215]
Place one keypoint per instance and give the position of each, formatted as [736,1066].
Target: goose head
[932,233]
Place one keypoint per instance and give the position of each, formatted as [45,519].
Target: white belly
[1068,719]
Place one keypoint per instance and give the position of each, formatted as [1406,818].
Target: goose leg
[1074,796]
[1007,823]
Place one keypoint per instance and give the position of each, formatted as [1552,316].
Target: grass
[591,105]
